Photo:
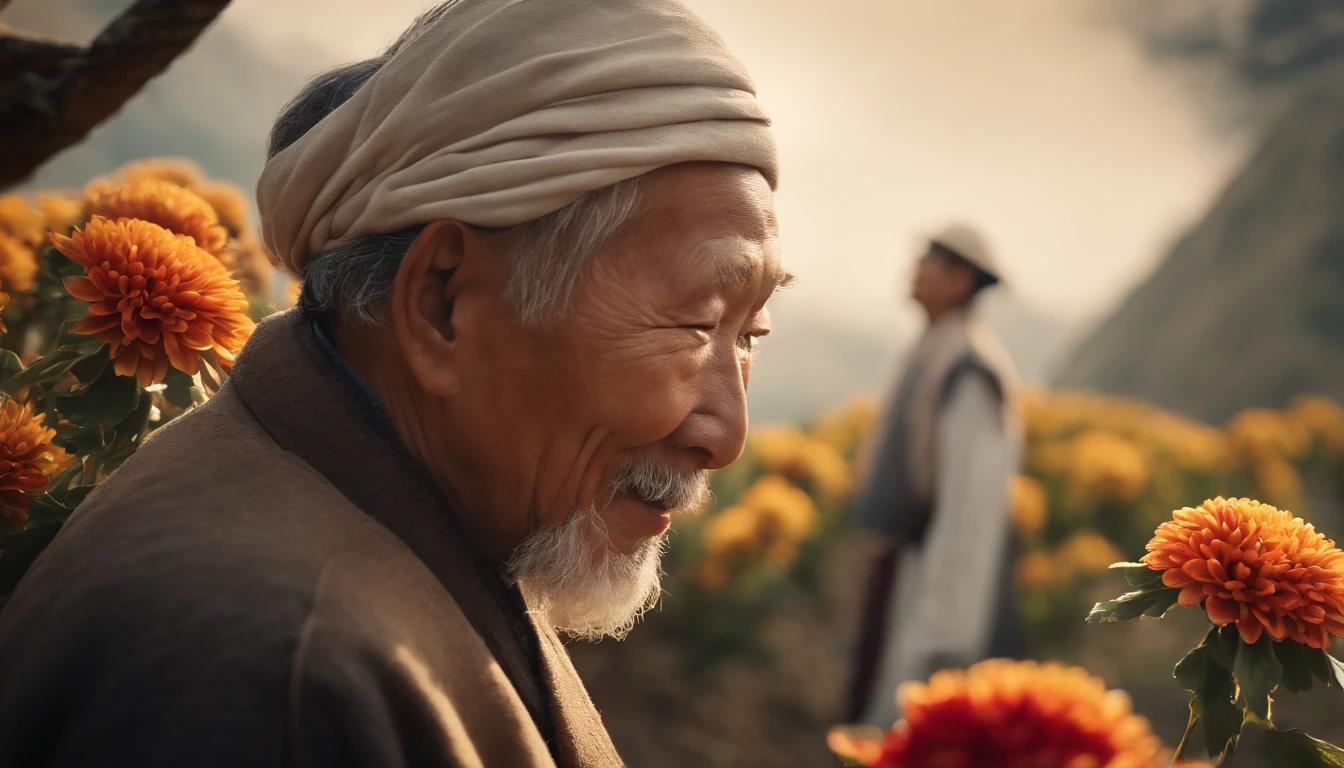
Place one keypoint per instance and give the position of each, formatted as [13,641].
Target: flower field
[1100,474]
[1101,478]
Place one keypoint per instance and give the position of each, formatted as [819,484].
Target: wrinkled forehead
[715,200]
[713,225]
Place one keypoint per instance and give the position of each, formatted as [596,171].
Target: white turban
[503,111]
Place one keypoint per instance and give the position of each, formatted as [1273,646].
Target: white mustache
[657,483]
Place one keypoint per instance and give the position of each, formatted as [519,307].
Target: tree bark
[22,52]
[53,93]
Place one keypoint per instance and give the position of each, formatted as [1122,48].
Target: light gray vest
[897,496]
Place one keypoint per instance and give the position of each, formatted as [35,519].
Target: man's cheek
[649,410]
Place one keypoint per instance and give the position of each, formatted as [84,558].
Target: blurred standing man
[937,491]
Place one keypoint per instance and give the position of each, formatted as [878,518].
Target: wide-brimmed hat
[965,242]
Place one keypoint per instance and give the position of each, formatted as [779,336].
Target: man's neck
[371,355]
[939,314]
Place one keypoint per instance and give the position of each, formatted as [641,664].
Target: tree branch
[44,110]
[22,52]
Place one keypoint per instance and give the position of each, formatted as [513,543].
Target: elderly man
[537,238]
[936,494]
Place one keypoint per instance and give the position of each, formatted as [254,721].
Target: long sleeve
[961,559]
[946,590]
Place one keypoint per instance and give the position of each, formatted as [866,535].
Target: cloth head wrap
[503,111]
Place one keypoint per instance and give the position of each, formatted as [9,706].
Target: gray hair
[545,256]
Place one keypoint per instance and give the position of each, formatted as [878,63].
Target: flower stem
[1189,728]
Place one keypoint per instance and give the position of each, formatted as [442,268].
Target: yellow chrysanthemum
[1255,566]
[769,521]
[27,459]
[1103,465]
[1192,447]
[846,428]
[1088,552]
[1277,481]
[168,205]
[18,263]
[1028,503]
[784,508]
[228,201]
[1010,714]
[1260,434]
[789,453]
[19,220]
[154,297]
[1323,418]
[1036,570]
[61,212]
[730,533]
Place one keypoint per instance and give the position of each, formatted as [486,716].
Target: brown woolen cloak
[272,581]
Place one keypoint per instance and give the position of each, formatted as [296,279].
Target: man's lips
[659,516]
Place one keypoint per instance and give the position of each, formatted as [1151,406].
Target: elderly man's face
[617,408]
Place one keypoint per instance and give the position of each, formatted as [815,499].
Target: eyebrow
[740,270]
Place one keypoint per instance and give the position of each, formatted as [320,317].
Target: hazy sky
[1080,159]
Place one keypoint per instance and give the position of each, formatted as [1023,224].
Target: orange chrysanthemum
[1009,714]
[1256,566]
[246,259]
[155,297]
[229,202]
[181,171]
[27,459]
[160,202]
[4,302]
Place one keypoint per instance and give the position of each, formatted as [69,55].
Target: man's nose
[716,430]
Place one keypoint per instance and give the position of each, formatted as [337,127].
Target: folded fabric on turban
[503,111]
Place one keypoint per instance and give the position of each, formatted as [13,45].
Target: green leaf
[60,265]
[83,440]
[63,480]
[91,367]
[1334,677]
[1225,648]
[1152,602]
[1139,575]
[1293,747]
[76,495]
[10,364]
[1258,672]
[1296,669]
[1213,688]
[178,388]
[45,510]
[108,400]
[47,368]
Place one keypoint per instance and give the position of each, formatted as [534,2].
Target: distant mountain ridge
[1248,308]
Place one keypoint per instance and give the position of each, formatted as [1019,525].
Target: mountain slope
[1248,309]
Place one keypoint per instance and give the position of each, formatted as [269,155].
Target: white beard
[570,574]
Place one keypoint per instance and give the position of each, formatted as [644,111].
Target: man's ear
[421,305]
